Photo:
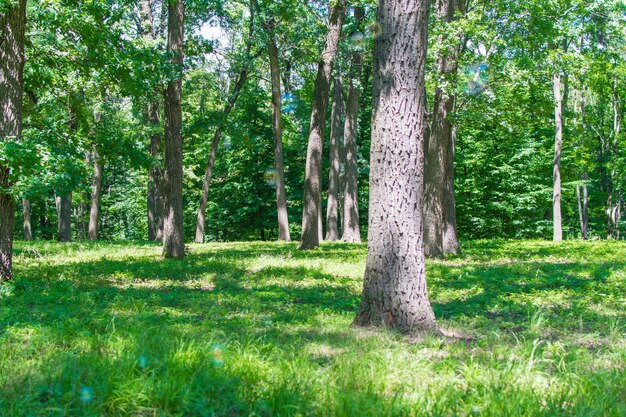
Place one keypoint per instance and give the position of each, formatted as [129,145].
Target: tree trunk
[351,230]
[281,194]
[336,128]
[28,233]
[313,169]
[96,193]
[155,174]
[12,25]
[395,293]
[65,217]
[173,231]
[217,136]
[558,147]
[440,226]
[451,243]
[583,207]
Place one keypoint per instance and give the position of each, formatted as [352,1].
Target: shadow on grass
[161,308]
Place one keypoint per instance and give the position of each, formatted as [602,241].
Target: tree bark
[173,232]
[155,173]
[440,235]
[451,243]
[239,84]
[217,136]
[12,29]
[96,193]
[65,217]
[313,170]
[558,147]
[336,130]
[351,230]
[277,125]
[583,204]
[28,232]
[395,292]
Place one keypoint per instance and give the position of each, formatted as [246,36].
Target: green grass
[261,329]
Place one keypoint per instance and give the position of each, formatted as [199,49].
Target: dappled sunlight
[258,326]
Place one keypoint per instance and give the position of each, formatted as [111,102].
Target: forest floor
[111,329]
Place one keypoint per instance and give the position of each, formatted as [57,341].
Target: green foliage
[248,328]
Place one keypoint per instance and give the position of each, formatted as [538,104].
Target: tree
[173,231]
[238,85]
[277,126]
[96,193]
[311,213]
[394,292]
[351,230]
[558,148]
[28,232]
[440,234]
[334,158]
[12,28]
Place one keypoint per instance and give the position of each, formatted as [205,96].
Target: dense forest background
[95,68]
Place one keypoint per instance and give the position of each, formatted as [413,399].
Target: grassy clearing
[261,329]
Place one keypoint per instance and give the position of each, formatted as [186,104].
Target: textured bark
[96,193]
[65,217]
[173,231]
[395,293]
[28,232]
[12,24]
[558,147]
[439,161]
[351,230]
[313,170]
[155,174]
[277,125]
[336,130]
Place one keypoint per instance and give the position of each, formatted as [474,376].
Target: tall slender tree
[96,193]
[238,85]
[173,232]
[351,231]
[277,126]
[334,158]
[558,148]
[312,215]
[394,292]
[28,232]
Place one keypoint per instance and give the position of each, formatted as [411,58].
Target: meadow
[260,329]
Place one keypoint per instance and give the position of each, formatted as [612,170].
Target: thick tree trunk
[28,232]
[558,147]
[65,217]
[155,174]
[395,293]
[313,170]
[96,193]
[173,231]
[440,226]
[277,125]
[350,218]
[12,25]
[336,130]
